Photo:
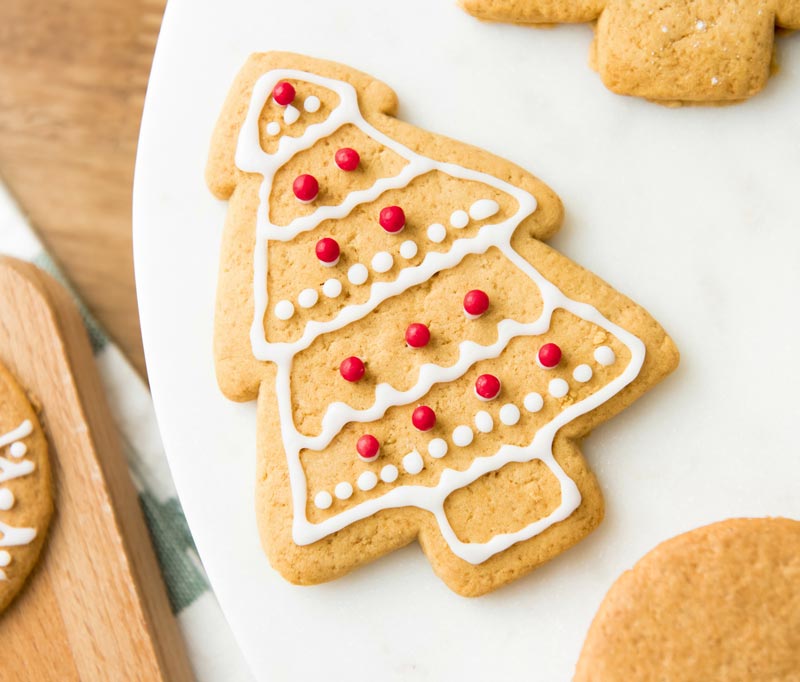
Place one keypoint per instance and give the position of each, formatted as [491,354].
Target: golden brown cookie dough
[494,488]
[26,499]
[677,51]
[718,603]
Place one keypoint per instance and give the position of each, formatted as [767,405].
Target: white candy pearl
[308,298]
[343,490]
[604,355]
[483,421]
[533,402]
[413,463]
[367,480]
[332,288]
[558,388]
[437,448]
[311,104]
[408,249]
[284,310]
[462,436]
[389,473]
[582,373]
[382,261]
[509,414]
[357,274]
[437,233]
[459,219]
[323,499]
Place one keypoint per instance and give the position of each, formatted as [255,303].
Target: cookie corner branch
[678,52]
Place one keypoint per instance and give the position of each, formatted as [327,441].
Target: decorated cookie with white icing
[26,500]
[425,366]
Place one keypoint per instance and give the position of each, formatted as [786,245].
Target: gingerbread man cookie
[718,603]
[678,51]
[425,366]
[26,500]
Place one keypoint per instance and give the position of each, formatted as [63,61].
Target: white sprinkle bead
[273,128]
[332,288]
[284,310]
[343,490]
[509,414]
[323,499]
[582,373]
[311,104]
[459,219]
[408,249]
[382,261]
[367,480]
[290,114]
[5,558]
[558,388]
[483,421]
[437,448]
[604,355]
[6,499]
[437,233]
[357,274]
[308,298]
[533,402]
[483,209]
[18,449]
[389,473]
[413,463]
[462,435]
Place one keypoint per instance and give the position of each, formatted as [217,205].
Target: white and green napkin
[212,649]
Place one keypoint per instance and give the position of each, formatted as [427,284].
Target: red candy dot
[417,335]
[305,187]
[392,219]
[487,386]
[327,251]
[347,159]
[368,447]
[476,303]
[283,93]
[352,368]
[423,418]
[549,355]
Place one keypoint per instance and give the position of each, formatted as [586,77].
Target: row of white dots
[291,114]
[383,261]
[463,435]
[18,450]
[367,480]
[480,210]
[357,274]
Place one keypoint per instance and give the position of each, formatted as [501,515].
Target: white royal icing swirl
[9,470]
[250,157]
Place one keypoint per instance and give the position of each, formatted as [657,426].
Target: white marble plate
[693,212]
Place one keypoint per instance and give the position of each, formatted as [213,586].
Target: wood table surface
[73,75]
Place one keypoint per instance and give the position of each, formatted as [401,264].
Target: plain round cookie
[718,603]
[26,491]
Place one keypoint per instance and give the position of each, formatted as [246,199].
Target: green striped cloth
[212,649]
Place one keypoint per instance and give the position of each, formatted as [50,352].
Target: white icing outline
[250,157]
[9,470]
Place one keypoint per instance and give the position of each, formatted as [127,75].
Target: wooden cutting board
[95,608]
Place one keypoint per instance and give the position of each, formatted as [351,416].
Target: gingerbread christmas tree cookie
[425,366]
[679,51]
[26,500]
